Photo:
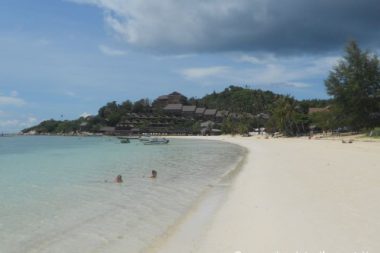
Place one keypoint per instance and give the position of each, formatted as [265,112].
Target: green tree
[110,113]
[354,85]
[126,106]
[142,106]
[108,109]
[286,116]
[196,127]
[242,127]
[324,120]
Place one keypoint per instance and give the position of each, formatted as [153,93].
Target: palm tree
[285,115]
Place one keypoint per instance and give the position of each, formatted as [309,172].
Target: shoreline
[292,194]
[192,224]
[103,216]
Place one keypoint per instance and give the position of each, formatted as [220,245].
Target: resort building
[174,116]
[175,109]
[172,98]
[220,115]
[209,114]
[188,110]
[199,112]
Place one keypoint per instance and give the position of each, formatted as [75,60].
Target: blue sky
[63,58]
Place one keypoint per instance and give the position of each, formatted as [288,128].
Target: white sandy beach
[292,195]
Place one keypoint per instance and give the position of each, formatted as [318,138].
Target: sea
[57,194]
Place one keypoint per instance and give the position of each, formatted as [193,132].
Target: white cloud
[70,94]
[31,120]
[266,70]
[174,56]
[6,100]
[42,42]
[110,51]
[2,113]
[250,59]
[183,56]
[323,64]
[197,73]
[260,59]
[85,115]
[10,123]
[172,24]
[15,124]
[14,93]
[298,85]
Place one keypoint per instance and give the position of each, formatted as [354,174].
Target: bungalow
[83,127]
[215,131]
[207,124]
[209,113]
[107,130]
[199,112]
[175,109]
[220,115]
[124,124]
[188,110]
[206,127]
[262,116]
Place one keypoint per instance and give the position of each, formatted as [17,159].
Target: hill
[234,110]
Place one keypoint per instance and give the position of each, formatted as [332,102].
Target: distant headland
[355,106]
[232,111]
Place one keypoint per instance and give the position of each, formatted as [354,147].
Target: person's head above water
[154,174]
[118,179]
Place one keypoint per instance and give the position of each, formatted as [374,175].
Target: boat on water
[145,137]
[125,140]
[156,141]
[133,137]
[130,137]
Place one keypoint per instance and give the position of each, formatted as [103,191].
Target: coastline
[292,194]
[192,225]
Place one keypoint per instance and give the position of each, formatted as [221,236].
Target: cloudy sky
[65,58]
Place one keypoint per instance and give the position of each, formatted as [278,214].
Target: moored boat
[154,141]
[145,137]
[125,140]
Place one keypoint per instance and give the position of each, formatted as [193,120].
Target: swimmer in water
[154,174]
[118,179]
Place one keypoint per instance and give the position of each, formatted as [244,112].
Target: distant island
[354,86]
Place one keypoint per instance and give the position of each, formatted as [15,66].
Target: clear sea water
[57,193]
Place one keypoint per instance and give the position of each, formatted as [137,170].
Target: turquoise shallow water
[57,195]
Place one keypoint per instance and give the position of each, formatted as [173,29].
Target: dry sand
[292,195]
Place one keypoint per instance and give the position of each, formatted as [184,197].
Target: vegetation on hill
[354,85]
[239,100]
[250,109]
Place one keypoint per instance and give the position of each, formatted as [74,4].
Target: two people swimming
[119,178]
